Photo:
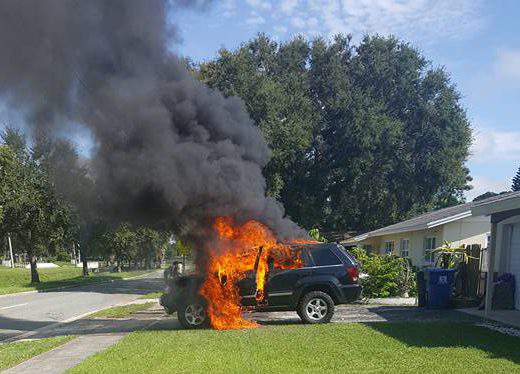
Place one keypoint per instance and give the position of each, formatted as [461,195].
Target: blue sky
[477,41]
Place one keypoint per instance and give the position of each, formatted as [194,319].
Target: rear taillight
[353,273]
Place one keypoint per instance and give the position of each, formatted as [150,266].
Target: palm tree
[449,257]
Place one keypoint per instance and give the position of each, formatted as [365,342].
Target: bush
[389,275]
[62,256]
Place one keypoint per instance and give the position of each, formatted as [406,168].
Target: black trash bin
[421,289]
[504,292]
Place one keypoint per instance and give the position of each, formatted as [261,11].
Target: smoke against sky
[168,149]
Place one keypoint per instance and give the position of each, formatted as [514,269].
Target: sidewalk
[94,335]
[66,356]
[394,301]
[506,317]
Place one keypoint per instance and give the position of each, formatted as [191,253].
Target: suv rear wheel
[192,314]
[316,307]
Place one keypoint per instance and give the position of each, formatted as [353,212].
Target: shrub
[389,275]
[61,255]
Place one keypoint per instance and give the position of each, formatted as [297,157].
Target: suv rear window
[324,256]
[347,256]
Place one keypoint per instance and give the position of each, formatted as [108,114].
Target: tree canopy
[361,135]
[516,181]
[46,206]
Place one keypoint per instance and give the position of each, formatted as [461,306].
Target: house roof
[500,203]
[433,219]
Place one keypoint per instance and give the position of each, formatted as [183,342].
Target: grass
[12,354]
[19,279]
[333,348]
[151,295]
[121,311]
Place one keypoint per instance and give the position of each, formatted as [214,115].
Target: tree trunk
[10,250]
[35,278]
[85,266]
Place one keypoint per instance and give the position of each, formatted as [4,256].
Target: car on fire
[328,276]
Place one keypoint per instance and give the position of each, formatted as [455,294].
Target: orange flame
[240,248]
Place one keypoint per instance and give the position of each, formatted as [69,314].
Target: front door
[282,283]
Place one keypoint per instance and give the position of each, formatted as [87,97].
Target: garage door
[515,260]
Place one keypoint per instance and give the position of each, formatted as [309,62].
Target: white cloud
[415,20]
[507,64]
[482,184]
[280,29]
[288,6]
[260,4]
[298,22]
[492,145]
[229,8]
[255,20]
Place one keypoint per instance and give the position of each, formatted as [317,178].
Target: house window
[430,243]
[404,247]
[367,248]
[389,247]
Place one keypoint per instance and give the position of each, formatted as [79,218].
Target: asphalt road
[21,313]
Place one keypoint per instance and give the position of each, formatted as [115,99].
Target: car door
[282,282]
[247,288]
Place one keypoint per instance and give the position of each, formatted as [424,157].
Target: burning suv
[328,276]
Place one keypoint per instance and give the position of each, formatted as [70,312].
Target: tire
[192,314]
[316,307]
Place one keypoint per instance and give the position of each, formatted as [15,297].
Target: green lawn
[12,354]
[151,295]
[121,311]
[19,280]
[332,348]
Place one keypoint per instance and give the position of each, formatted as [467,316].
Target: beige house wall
[473,230]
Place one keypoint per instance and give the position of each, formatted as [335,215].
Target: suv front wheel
[316,307]
[192,314]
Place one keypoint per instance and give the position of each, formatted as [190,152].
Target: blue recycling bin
[439,287]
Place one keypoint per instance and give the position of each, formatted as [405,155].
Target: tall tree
[28,210]
[75,211]
[516,181]
[362,135]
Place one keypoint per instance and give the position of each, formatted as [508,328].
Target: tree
[27,211]
[516,181]
[40,220]
[273,82]
[149,242]
[123,243]
[485,195]
[362,135]
[75,206]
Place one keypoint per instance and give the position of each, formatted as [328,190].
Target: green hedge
[389,275]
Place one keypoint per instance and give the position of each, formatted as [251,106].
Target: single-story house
[417,237]
[504,249]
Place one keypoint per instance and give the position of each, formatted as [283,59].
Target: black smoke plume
[167,149]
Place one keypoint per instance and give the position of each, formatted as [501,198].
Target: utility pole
[10,250]
[74,253]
